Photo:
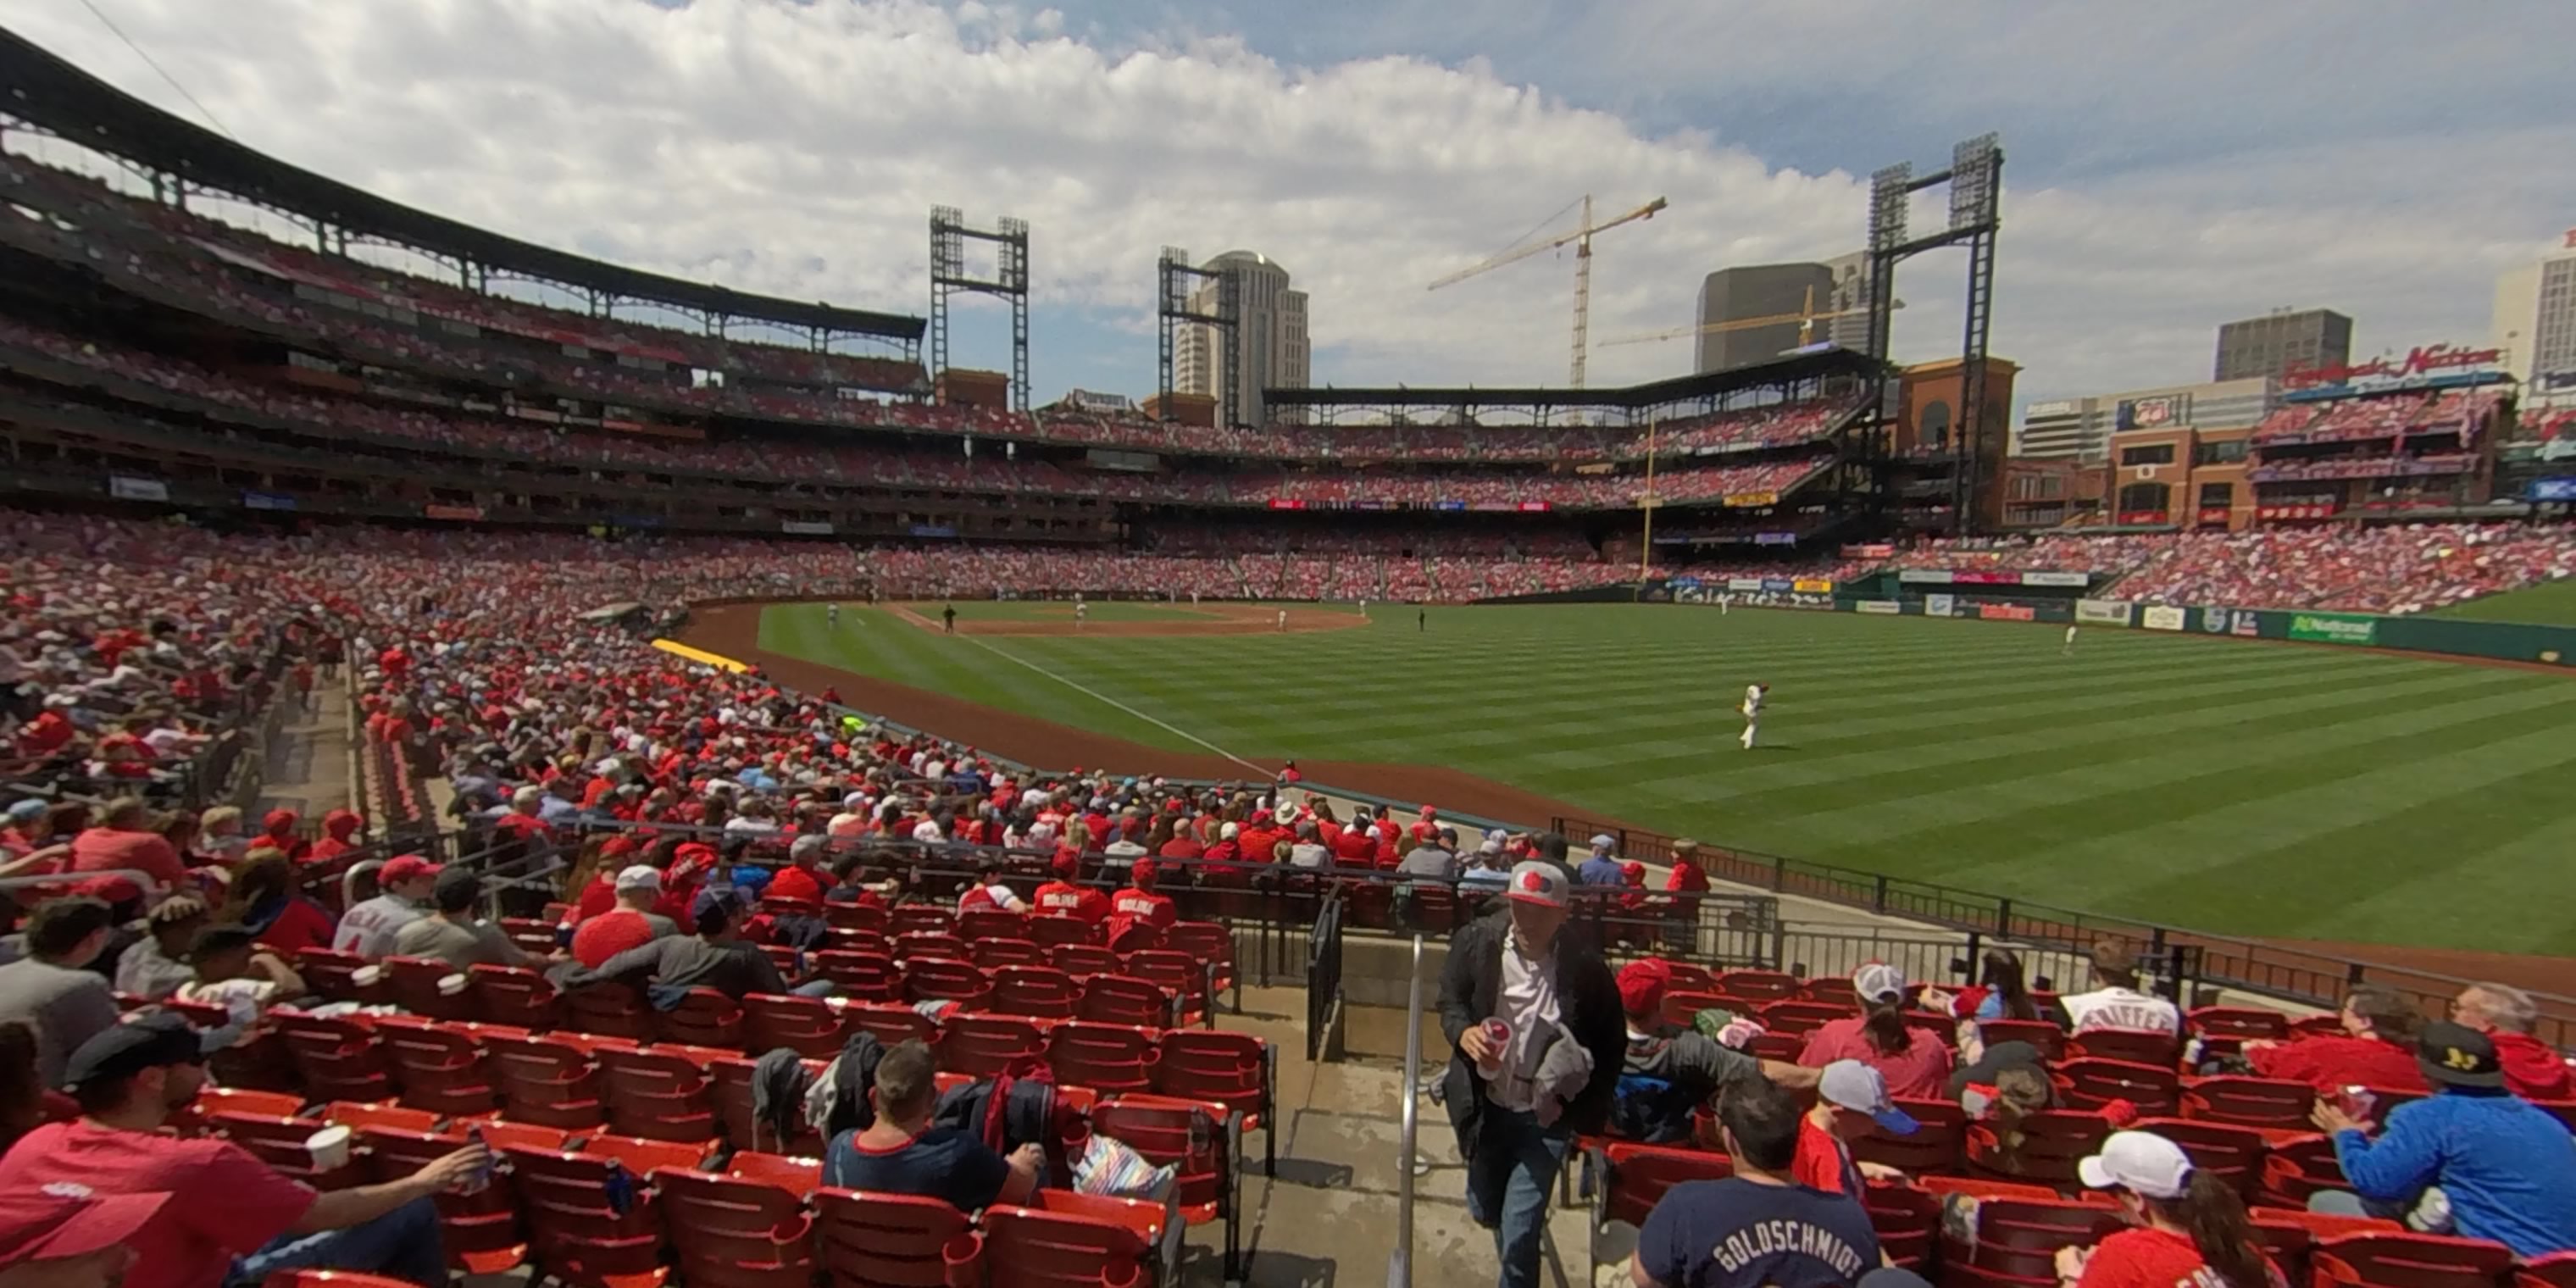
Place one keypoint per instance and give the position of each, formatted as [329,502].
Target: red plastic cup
[1498,1034]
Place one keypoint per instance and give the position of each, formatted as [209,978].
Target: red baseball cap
[1145,874]
[1065,865]
[69,1220]
[406,867]
[1642,983]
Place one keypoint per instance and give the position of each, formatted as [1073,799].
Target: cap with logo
[2138,1161]
[1849,1084]
[1538,882]
[404,868]
[2458,1056]
[1878,982]
[64,1219]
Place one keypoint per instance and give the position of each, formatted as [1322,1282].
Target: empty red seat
[852,916]
[983,1046]
[892,1023]
[1082,961]
[864,977]
[2136,1046]
[481,1231]
[1071,1241]
[610,1009]
[809,1026]
[797,1173]
[1639,1175]
[1183,976]
[1125,999]
[517,996]
[1757,985]
[1193,1140]
[2297,1167]
[1051,933]
[1796,1016]
[660,1094]
[732,1232]
[704,1017]
[866,1240]
[2053,1141]
[916,918]
[210,1101]
[978,924]
[1681,1007]
[2274,1103]
[1206,942]
[2050,1039]
[2021,1237]
[1939,1144]
[550,1080]
[2224,1030]
[995,954]
[331,975]
[1111,1059]
[415,980]
[2222,1149]
[577,1231]
[336,1058]
[1837,989]
[2400,1259]
[1039,992]
[930,945]
[1905,1220]
[2156,1090]
[1217,1067]
[936,979]
[441,1066]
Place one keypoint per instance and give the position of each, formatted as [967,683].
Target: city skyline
[722,140]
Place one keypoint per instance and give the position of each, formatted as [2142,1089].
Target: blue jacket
[1599,871]
[2508,1168]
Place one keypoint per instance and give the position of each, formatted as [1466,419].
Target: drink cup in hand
[2356,1102]
[1498,1035]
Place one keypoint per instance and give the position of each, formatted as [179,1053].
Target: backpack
[1018,1108]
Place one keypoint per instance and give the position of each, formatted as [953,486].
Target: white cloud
[795,148]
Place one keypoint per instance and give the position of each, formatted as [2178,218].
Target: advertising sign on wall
[2008,612]
[1874,550]
[461,513]
[1925,576]
[1743,499]
[127,487]
[1814,585]
[2334,628]
[2248,623]
[1745,584]
[2057,579]
[804,528]
[2553,489]
[2102,612]
[2154,413]
[2214,620]
[2160,617]
[267,500]
[1779,584]
[1879,607]
[1939,605]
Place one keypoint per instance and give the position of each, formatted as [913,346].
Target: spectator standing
[1914,1061]
[2375,1049]
[2507,1015]
[53,990]
[1519,969]
[2115,1002]
[238,1219]
[631,924]
[901,1153]
[2186,1226]
[452,933]
[2504,1169]
[1761,1227]
[408,882]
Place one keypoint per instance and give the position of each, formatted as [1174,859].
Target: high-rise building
[1758,291]
[1276,353]
[1851,299]
[2535,315]
[2281,342]
[2080,429]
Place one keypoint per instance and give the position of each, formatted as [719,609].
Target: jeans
[1509,1176]
[402,1243]
[818,988]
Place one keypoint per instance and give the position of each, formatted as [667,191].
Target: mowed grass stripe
[2129,777]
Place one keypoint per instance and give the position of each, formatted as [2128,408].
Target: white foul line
[1096,694]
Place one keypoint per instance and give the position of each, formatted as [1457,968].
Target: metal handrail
[1399,1266]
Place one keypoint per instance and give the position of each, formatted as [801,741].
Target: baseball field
[2230,786]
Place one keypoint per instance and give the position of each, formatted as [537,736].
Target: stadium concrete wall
[2444,636]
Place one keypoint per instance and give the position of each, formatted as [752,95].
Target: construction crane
[1581,240]
[1806,318]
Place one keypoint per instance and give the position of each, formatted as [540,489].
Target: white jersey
[1753,701]
[2121,1008]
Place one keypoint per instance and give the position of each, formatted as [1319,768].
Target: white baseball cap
[1878,982]
[2139,1161]
[642,876]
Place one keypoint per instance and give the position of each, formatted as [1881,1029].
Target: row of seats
[604,1210]
[2018,1229]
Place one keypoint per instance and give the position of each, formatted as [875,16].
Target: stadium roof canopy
[51,93]
[1797,369]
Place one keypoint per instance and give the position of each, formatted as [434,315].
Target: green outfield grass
[2218,784]
[2551,603]
[1103,610]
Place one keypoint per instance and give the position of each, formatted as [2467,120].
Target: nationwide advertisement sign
[2423,360]
[1925,576]
[1779,585]
[1879,607]
[2160,617]
[1814,586]
[2102,612]
[2008,612]
[2161,412]
[1939,605]
[2141,518]
[2076,579]
[1981,577]
[2213,516]
[2334,628]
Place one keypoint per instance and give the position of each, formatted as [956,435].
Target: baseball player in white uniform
[831,614]
[2070,641]
[1081,613]
[1753,696]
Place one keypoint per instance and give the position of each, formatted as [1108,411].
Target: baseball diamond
[2229,786]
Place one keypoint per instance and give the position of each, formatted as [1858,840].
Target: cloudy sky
[2170,165]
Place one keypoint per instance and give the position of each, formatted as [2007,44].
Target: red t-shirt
[609,934]
[101,849]
[302,925]
[1823,1162]
[1355,845]
[1181,847]
[1065,899]
[2531,1070]
[1141,907]
[1259,844]
[2330,1061]
[2146,1257]
[1920,1071]
[226,1202]
[46,734]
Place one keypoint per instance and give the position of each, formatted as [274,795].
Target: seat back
[806,1025]
[1110,1059]
[892,1023]
[1183,976]
[2400,1259]
[922,918]
[2052,1142]
[704,1017]
[860,976]
[1639,1175]
[982,1046]
[1757,985]
[1125,999]
[1038,991]
[2277,1103]
[1188,1137]
[1939,1143]
[1798,1016]
[2156,1090]
[936,979]
[2137,1046]
[515,995]
[867,1240]
[733,1232]
[1059,1249]
[336,1059]
[852,916]
[1051,933]
[331,974]
[2050,1039]
[1216,1067]
[998,953]
[2232,1153]
[610,1009]
[930,945]
[656,1095]
[979,924]
[1084,960]
[414,981]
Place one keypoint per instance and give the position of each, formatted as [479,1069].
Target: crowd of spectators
[2465,413]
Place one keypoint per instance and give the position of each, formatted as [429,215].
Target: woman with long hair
[263,897]
[1914,1062]
[2188,1226]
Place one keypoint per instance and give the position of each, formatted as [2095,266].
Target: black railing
[1323,974]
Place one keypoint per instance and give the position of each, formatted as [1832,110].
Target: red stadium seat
[1072,1241]
[928,979]
[2230,1152]
[441,1067]
[2053,1141]
[2156,1090]
[996,954]
[1038,992]
[659,1094]
[1124,999]
[891,1023]
[1193,1140]
[863,977]
[1110,1059]
[984,1046]
[729,1092]
[1638,1175]
[2273,1103]
[2050,1039]
[609,1009]
[851,916]
[809,1026]
[736,1233]
[552,1081]
[2136,1046]
[516,996]
[868,1240]
[1939,1145]
[704,1017]
[414,981]
[336,1059]
[2407,1260]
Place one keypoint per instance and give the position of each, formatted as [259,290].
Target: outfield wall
[2452,637]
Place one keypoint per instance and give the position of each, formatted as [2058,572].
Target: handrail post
[1399,1265]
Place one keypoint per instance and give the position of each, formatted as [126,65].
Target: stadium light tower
[1175,282]
[1975,179]
[949,234]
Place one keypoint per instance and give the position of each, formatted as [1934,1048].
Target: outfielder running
[1753,697]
